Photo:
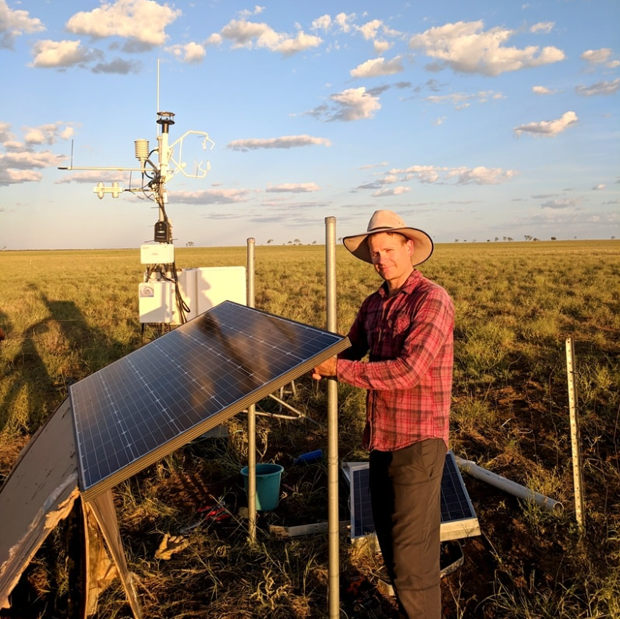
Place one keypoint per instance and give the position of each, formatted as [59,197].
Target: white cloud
[6,135]
[13,177]
[300,43]
[343,21]
[49,54]
[396,191]
[598,187]
[293,188]
[247,34]
[369,166]
[142,20]
[481,175]
[548,128]
[348,105]
[543,26]
[289,141]
[190,53]
[20,166]
[257,10]
[119,66]
[600,88]
[377,67]
[214,39]
[322,23]
[596,56]
[466,48]
[561,203]
[94,176]
[461,100]
[542,90]
[49,133]
[210,196]
[423,173]
[381,47]
[369,29]
[14,24]
[354,104]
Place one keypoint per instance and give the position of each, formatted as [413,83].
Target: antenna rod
[157,110]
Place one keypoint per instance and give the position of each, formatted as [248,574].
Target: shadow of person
[52,353]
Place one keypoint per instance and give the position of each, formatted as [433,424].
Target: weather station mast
[161,295]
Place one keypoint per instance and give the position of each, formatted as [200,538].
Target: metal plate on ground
[159,397]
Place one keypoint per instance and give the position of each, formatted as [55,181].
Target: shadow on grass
[38,374]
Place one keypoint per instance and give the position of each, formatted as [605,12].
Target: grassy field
[66,314]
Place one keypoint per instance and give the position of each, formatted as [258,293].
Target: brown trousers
[405,494]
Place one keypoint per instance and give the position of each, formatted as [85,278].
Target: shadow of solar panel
[458,518]
[151,402]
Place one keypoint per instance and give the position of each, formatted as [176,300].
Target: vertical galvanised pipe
[333,527]
[250,300]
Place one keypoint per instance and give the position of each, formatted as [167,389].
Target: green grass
[67,314]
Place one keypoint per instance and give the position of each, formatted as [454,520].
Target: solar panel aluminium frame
[84,393]
[451,528]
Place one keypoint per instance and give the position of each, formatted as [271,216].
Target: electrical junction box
[155,301]
[157,253]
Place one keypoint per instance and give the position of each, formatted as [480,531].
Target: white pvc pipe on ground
[508,485]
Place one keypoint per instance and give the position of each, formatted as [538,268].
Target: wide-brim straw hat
[388,221]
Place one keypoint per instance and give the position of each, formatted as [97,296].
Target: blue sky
[473,120]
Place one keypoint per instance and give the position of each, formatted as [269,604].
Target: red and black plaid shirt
[409,340]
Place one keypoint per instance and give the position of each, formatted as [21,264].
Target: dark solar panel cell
[147,404]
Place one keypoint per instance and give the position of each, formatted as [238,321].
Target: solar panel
[458,518]
[159,397]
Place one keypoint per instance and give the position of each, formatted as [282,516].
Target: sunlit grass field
[67,314]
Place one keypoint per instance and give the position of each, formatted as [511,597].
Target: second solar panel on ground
[156,399]
[458,518]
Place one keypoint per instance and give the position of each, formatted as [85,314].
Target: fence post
[575,434]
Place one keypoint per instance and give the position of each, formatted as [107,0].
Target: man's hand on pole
[327,368]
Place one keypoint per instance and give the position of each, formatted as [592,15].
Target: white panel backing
[217,284]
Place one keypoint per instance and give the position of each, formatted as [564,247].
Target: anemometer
[155,175]
[168,295]
[162,295]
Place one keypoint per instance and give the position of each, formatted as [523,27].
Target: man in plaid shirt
[406,329]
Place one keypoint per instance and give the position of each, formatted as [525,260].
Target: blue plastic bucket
[267,485]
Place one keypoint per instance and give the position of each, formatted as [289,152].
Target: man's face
[391,256]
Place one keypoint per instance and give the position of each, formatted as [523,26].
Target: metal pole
[574,431]
[250,299]
[333,525]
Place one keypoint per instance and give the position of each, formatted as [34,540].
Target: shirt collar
[407,287]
